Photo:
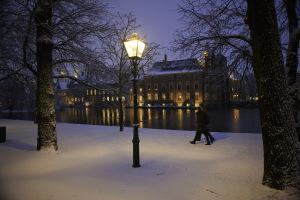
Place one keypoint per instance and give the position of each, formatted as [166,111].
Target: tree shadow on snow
[15,144]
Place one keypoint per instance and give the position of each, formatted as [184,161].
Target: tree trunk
[292,54]
[278,125]
[45,91]
[121,111]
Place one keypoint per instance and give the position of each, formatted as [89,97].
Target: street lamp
[203,76]
[135,47]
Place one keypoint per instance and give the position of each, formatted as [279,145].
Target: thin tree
[115,57]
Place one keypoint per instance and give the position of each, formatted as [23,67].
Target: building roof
[174,67]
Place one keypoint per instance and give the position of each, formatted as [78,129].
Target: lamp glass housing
[134,46]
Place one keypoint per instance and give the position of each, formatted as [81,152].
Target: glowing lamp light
[134,47]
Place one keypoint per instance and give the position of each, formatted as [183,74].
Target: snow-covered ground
[94,163]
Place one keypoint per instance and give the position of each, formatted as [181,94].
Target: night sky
[159,20]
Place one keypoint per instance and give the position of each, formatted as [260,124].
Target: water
[223,120]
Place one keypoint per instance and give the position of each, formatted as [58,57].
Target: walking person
[202,122]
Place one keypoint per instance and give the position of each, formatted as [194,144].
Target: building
[184,83]
[79,95]
[243,91]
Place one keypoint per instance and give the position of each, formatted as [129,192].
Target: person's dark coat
[202,120]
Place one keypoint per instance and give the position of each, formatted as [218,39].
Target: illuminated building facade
[180,83]
[81,95]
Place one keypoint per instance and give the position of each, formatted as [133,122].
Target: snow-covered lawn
[94,162]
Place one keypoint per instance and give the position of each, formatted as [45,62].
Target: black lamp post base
[136,166]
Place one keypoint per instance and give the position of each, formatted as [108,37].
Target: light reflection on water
[222,120]
[226,120]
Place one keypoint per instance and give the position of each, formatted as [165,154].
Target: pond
[241,120]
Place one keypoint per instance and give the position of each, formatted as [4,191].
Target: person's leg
[206,134]
[199,133]
[197,137]
[207,138]
[210,137]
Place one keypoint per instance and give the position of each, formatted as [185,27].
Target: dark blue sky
[159,20]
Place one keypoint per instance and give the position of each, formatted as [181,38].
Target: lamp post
[135,47]
[203,77]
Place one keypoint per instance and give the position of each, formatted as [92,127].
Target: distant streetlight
[135,47]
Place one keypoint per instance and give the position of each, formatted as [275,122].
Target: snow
[175,67]
[160,72]
[94,162]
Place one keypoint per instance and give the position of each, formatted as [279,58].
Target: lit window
[87,92]
[140,98]
[130,89]
[95,92]
[107,98]
[179,97]
[156,96]
[164,96]
[123,98]
[197,96]
[171,96]
[112,99]
[141,89]
[149,96]
[188,96]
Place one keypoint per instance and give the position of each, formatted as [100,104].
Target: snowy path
[94,163]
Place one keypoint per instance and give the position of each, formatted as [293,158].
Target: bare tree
[115,56]
[215,25]
[281,169]
[47,138]
[292,52]
[221,25]
[40,37]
